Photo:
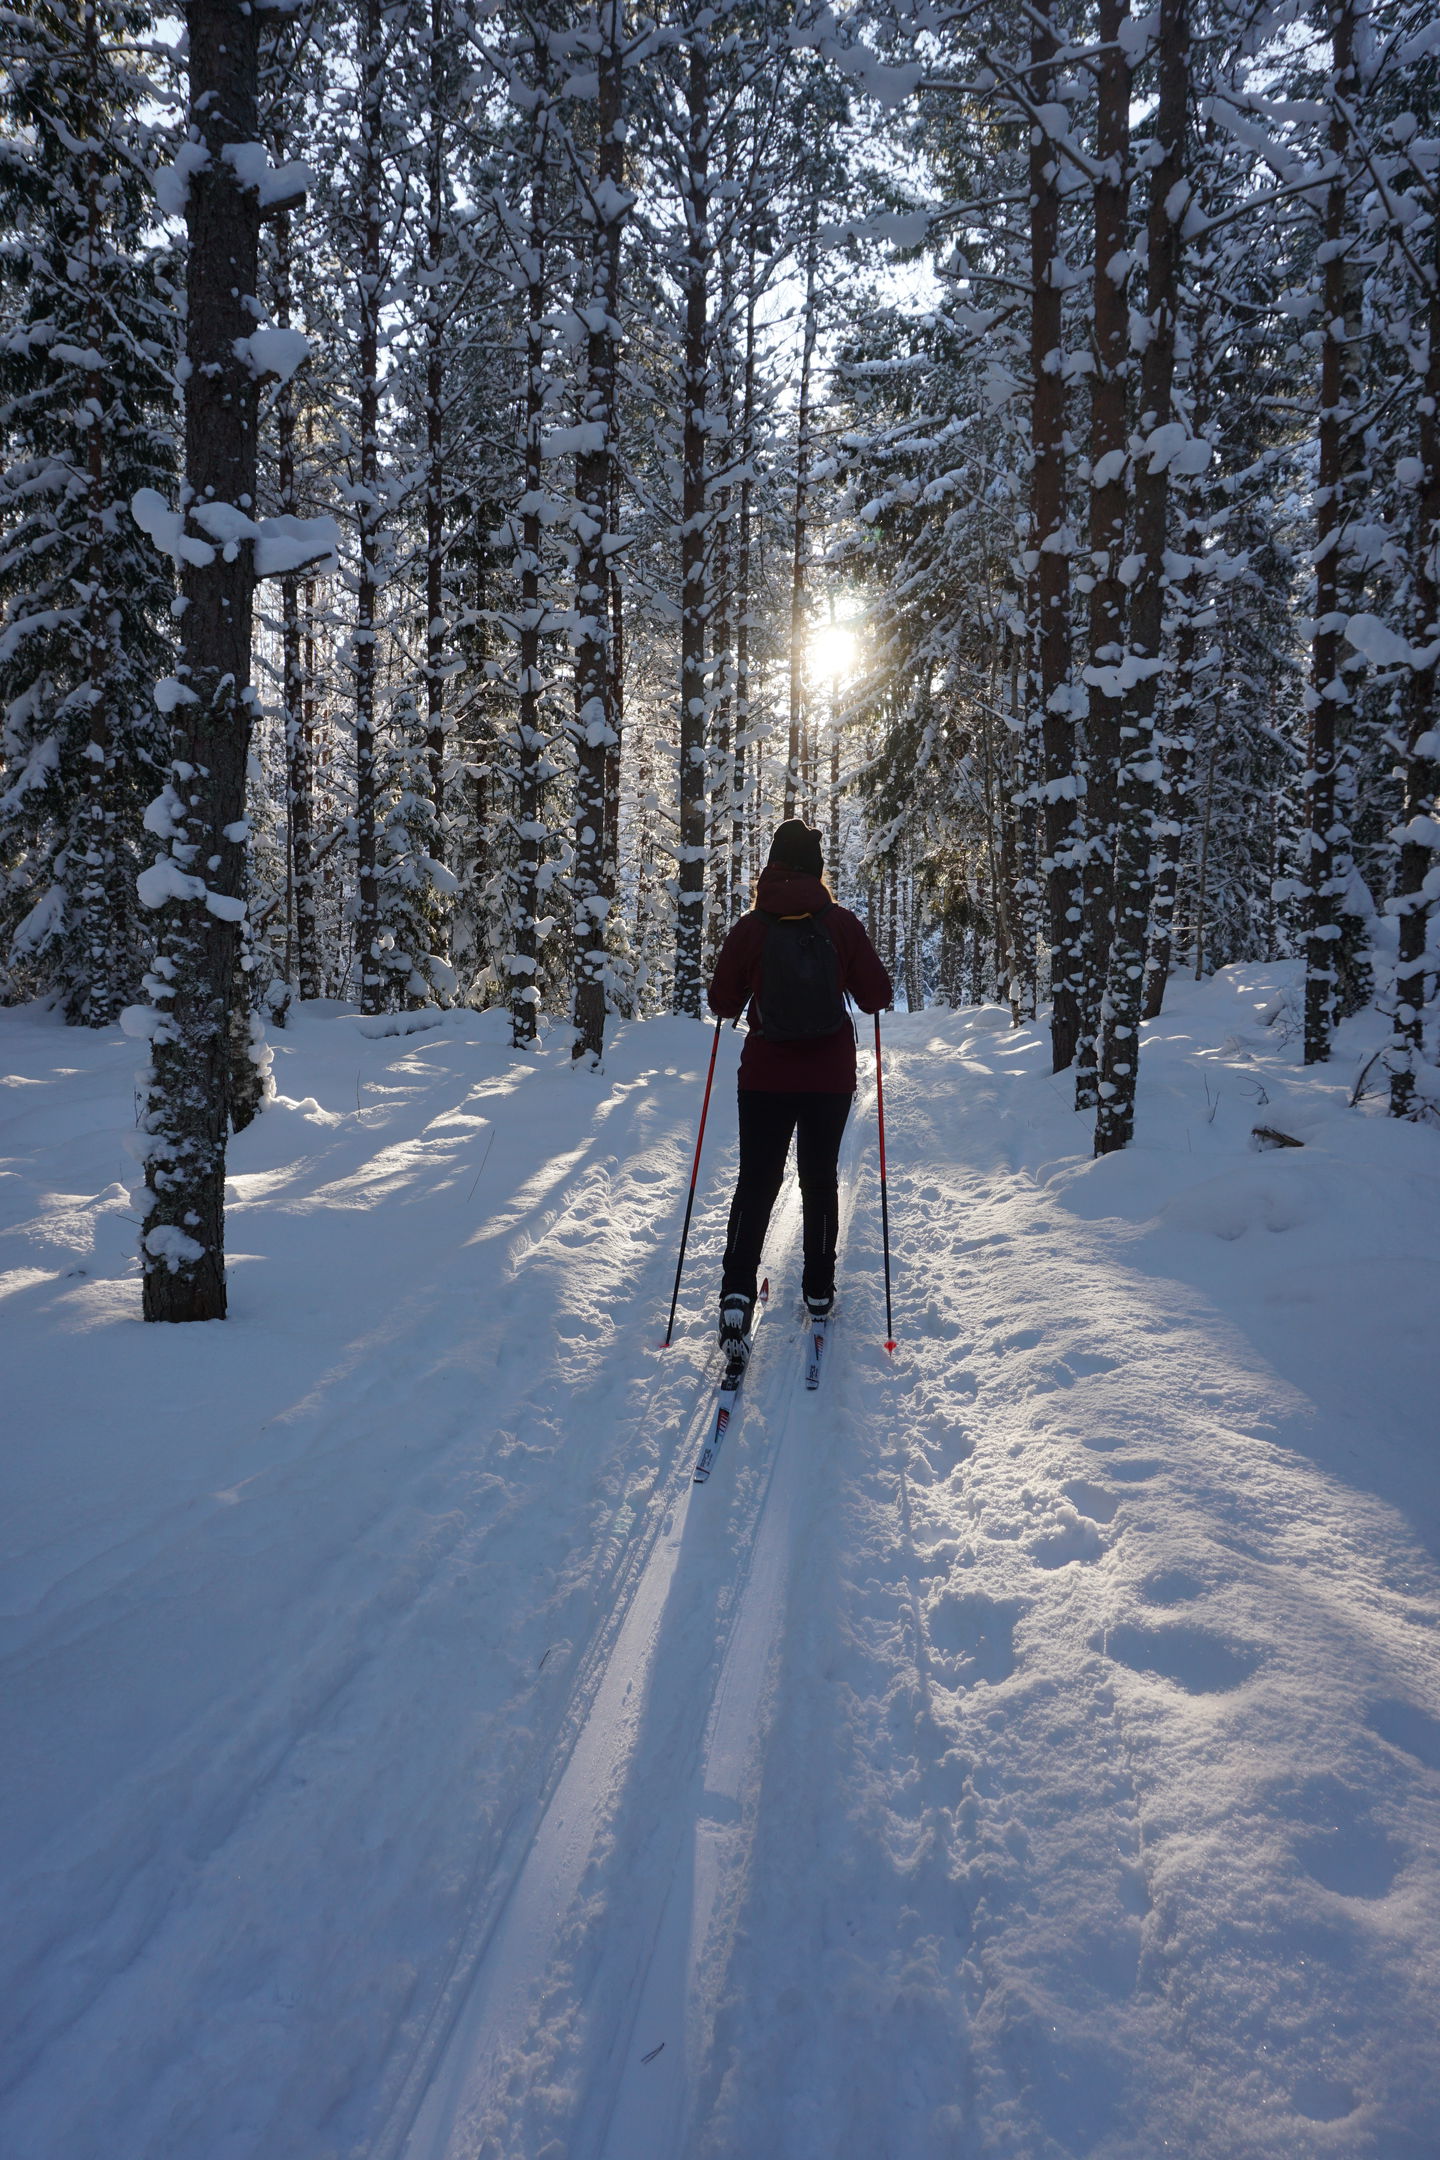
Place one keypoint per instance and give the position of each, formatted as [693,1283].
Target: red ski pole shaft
[694,1175]
[884,1187]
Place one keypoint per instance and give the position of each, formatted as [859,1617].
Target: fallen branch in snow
[1270,1136]
[1357,1093]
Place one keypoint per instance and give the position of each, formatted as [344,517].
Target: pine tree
[1108,522]
[1327,867]
[199,1021]
[1160,440]
[605,206]
[85,407]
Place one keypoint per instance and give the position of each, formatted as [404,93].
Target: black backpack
[800,995]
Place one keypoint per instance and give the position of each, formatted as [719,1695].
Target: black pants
[767,1120]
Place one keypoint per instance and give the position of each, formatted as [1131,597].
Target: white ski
[817,1351]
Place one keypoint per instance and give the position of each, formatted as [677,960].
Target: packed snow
[1025,1747]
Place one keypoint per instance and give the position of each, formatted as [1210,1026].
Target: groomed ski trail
[1038,1753]
[587,2015]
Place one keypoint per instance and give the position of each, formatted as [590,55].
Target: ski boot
[735,1316]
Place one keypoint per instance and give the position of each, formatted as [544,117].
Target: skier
[793,960]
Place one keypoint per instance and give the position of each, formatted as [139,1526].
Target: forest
[467,471]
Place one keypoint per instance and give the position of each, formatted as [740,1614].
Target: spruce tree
[86,416]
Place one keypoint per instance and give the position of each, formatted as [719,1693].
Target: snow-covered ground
[1026,1748]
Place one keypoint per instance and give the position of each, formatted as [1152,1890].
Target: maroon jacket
[828,1063]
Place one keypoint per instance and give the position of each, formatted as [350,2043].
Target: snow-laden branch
[283,545]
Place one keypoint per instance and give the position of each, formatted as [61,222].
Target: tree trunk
[1202,868]
[1324,841]
[367,922]
[1051,689]
[437,627]
[596,712]
[191,983]
[101,899]
[309,963]
[299,807]
[1170,826]
[800,531]
[743,784]
[914,951]
[1124,990]
[722,731]
[1413,904]
[1109,504]
[521,959]
[616,596]
[694,536]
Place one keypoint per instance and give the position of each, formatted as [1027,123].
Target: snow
[282,544]
[1172,448]
[167,1243]
[287,544]
[1026,1747]
[172,182]
[45,920]
[170,692]
[165,528]
[273,355]
[164,880]
[226,907]
[279,187]
[1383,647]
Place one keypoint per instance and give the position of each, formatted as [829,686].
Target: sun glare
[834,651]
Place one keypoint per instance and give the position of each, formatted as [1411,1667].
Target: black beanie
[796,846]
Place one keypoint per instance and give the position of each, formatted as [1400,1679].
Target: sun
[834,651]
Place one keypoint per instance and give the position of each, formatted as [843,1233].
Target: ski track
[1137,1850]
[219,1785]
[1024,1749]
[591,2005]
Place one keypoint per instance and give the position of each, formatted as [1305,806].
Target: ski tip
[765,1291]
[891,1347]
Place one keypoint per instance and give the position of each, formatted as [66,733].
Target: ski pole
[884,1192]
[694,1174]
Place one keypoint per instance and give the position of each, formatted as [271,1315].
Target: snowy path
[412,1763]
[647,1796]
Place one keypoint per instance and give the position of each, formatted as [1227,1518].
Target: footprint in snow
[1189,1657]
[933,1453]
[1171,1586]
[1415,1732]
[1096,1501]
[1354,1859]
[1075,1540]
[1085,1362]
[973,1637]
[1323,2099]
[1075,1367]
